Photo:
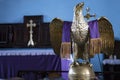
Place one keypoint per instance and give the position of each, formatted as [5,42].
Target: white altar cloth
[111,61]
[23,52]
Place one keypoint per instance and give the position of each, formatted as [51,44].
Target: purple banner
[93,27]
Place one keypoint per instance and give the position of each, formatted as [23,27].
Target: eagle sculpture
[80,34]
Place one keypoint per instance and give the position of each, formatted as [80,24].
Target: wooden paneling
[45,35]
[17,34]
[117,48]
[4,35]
[20,37]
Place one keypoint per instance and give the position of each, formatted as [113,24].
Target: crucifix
[31,25]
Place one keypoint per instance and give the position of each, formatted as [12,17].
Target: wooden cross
[31,25]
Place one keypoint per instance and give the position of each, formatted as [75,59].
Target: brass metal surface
[81,71]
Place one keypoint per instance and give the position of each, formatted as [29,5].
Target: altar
[111,69]
[29,63]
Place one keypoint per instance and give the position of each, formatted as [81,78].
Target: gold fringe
[65,50]
[95,46]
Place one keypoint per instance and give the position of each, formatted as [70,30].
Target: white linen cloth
[23,52]
[111,61]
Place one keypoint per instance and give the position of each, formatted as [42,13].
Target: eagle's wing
[56,26]
[106,35]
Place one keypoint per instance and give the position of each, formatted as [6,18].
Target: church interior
[39,40]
